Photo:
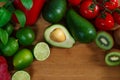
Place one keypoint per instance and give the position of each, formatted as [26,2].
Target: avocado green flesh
[68,43]
[112,63]
[54,10]
[81,29]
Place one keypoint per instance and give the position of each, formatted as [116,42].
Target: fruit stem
[95,1]
[92,6]
[103,15]
[117,10]
[106,0]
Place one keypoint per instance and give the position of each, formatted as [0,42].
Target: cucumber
[54,10]
[81,29]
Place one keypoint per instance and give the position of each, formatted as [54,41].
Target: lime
[25,36]
[21,75]
[41,51]
[22,59]
[9,28]
[10,48]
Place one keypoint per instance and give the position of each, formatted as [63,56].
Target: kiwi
[104,40]
[112,58]
[116,35]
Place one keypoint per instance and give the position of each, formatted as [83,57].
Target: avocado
[58,36]
[80,28]
[54,10]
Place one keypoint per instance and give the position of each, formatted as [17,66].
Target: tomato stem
[103,15]
[92,6]
[117,10]
[106,0]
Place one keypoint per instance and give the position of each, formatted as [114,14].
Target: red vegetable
[116,15]
[33,13]
[89,9]
[111,4]
[104,21]
[4,74]
[74,2]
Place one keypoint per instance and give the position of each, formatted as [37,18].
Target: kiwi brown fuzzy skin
[116,35]
[116,53]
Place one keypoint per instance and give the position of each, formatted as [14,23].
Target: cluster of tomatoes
[105,13]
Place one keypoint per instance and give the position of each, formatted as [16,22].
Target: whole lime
[10,48]
[22,59]
[9,28]
[25,36]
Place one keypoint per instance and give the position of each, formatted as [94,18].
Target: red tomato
[74,2]
[116,15]
[104,21]
[89,9]
[111,4]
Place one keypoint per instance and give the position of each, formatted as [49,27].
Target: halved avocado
[57,35]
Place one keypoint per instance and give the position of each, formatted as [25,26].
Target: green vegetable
[10,48]
[21,17]
[3,36]
[27,3]
[9,28]
[5,16]
[81,29]
[54,10]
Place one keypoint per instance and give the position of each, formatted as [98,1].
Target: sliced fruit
[22,59]
[21,75]
[41,51]
[57,35]
[113,58]
[104,40]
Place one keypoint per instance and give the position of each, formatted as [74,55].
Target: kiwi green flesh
[104,40]
[112,58]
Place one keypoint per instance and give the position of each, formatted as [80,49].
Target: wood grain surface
[81,62]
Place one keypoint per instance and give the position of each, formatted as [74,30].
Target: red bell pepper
[32,14]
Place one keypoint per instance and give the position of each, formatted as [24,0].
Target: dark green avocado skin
[54,10]
[80,28]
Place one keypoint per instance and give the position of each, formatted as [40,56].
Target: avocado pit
[58,35]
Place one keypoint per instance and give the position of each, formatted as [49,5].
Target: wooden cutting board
[81,62]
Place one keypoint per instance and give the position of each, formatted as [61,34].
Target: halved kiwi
[104,40]
[112,58]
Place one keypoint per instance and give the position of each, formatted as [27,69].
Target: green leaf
[9,6]
[21,17]
[3,36]
[3,0]
[27,3]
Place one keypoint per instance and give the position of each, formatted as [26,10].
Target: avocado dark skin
[80,28]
